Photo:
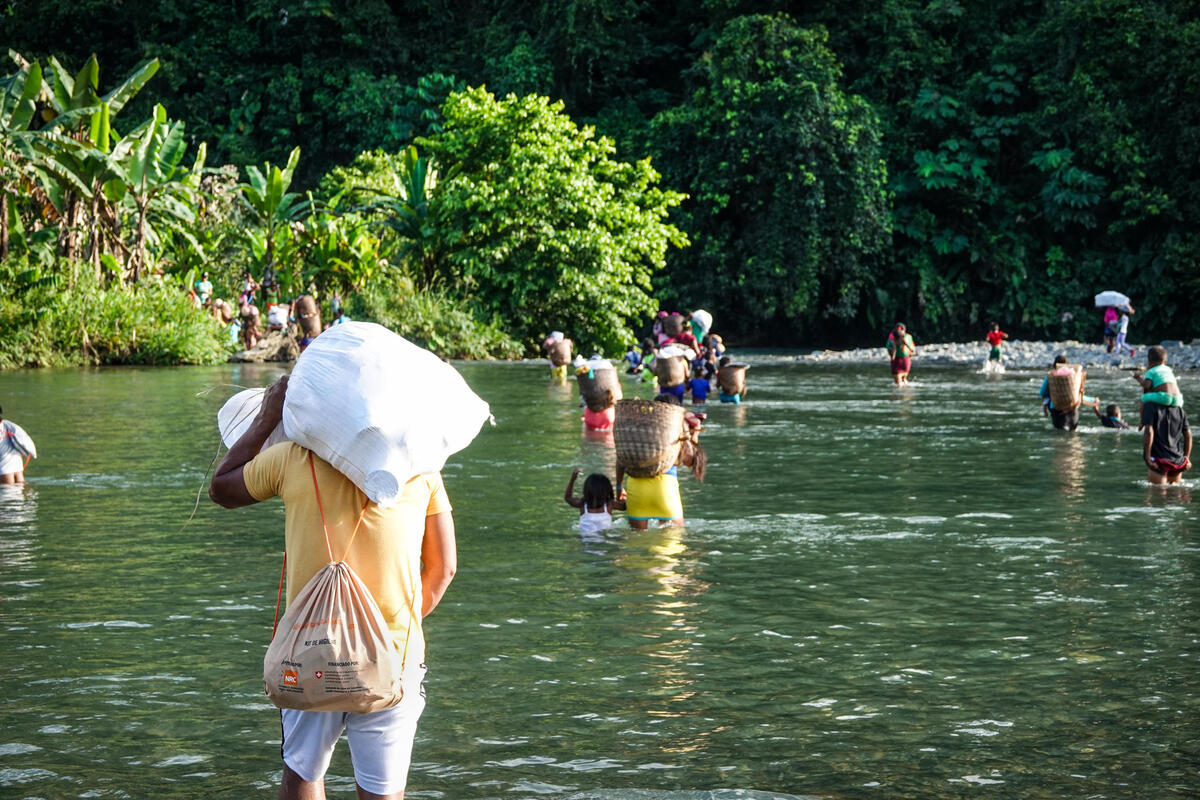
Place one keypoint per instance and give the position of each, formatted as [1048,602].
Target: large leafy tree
[789,209]
[538,222]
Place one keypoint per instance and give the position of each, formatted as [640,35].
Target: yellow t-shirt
[386,551]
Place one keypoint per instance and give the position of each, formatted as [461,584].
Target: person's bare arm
[439,559]
[620,483]
[1187,448]
[228,486]
[1147,443]
[569,494]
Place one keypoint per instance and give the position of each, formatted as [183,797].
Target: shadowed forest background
[826,167]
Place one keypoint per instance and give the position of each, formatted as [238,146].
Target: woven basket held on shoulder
[646,436]
[732,378]
[673,325]
[600,390]
[670,370]
[1066,391]
[308,315]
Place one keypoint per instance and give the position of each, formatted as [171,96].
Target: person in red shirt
[995,337]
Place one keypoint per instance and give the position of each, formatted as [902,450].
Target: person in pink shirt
[1110,327]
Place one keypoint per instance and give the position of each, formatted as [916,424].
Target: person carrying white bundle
[359,481]
[16,448]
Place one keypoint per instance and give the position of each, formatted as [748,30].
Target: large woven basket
[560,353]
[732,378]
[600,390]
[308,315]
[646,436]
[673,325]
[670,370]
[1066,391]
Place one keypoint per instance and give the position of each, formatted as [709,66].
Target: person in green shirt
[204,289]
[900,350]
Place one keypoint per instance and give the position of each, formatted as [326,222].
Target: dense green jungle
[475,174]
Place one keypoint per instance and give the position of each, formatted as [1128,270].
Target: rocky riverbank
[273,346]
[1021,354]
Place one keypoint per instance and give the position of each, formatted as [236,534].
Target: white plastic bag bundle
[234,418]
[277,315]
[378,408]
[677,350]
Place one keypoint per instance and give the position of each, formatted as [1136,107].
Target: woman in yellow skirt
[651,499]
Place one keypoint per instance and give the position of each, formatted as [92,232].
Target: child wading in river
[699,387]
[596,505]
[1111,418]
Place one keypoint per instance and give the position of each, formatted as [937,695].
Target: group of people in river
[1166,434]
[1167,437]
[406,552]
[682,357]
[301,315]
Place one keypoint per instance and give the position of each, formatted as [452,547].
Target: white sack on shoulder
[16,436]
[378,408]
[234,418]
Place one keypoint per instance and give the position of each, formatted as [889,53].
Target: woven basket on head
[670,370]
[646,436]
[601,389]
[673,325]
[1066,391]
[560,353]
[308,315]
[732,378]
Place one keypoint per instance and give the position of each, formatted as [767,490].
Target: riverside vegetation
[535,218]
[823,172]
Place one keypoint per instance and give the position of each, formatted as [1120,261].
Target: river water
[879,593]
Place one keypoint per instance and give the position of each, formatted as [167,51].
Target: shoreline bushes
[154,322]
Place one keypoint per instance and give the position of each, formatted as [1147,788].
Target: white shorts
[380,743]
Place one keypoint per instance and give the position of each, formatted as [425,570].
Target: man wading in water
[414,536]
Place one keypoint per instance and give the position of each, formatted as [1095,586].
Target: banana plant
[66,93]
[146,164]
[406,212]
[18,93]
[273,208]
[76,163]
[339,252]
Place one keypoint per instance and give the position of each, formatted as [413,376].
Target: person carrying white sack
[385,506]
[16,448]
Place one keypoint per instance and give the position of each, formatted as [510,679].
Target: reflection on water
[924,593]
[1071,469]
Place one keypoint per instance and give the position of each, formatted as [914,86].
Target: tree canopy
[1033,153]
[790,213]
[541,224]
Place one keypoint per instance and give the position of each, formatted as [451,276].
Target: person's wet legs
[293,787]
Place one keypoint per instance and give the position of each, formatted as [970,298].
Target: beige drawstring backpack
[332,651]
